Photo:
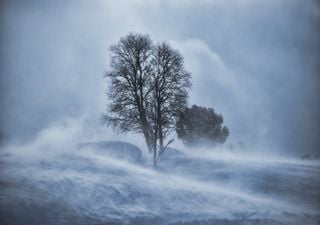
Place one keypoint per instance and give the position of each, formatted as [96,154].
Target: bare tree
[170,84]
[148,87]
[128,90]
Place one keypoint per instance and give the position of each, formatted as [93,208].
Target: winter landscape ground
[93,183]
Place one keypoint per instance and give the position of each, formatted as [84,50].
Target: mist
[255,62]
[53,180]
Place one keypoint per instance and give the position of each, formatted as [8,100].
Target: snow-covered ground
[92,184]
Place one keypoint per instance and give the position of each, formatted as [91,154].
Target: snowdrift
[96,184]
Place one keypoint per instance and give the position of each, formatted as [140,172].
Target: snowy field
[93,183]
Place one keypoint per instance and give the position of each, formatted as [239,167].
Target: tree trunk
[159,123]
[151,144]
[155,157]
[160,138]
[148,141]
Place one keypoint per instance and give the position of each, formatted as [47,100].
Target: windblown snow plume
[59,181]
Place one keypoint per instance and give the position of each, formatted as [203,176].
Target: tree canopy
[148,88]
[201,126]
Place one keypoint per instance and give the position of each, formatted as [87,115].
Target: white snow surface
[91,186]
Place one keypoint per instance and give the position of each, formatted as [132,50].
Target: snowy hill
[96,184]
[116,149]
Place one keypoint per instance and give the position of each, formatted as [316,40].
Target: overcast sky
[256,62]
